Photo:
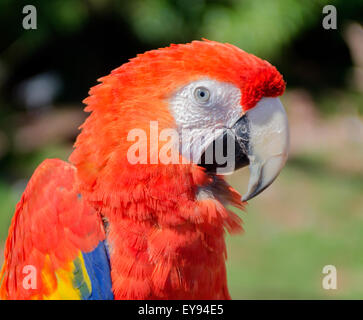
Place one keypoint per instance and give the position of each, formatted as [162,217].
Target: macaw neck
[166,239]
[175,262]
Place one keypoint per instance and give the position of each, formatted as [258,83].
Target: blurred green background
[312,216]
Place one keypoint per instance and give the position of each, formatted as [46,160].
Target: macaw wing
[55,247]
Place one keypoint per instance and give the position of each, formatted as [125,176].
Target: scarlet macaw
[101,227]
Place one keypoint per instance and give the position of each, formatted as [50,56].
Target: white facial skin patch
[198,119]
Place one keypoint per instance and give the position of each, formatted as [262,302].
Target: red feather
[51,224]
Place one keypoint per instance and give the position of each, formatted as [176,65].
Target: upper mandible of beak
[268,144]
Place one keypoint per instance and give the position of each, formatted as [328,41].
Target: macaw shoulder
[60,237]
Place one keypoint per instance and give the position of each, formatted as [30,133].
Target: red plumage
[164,242]
[50,225]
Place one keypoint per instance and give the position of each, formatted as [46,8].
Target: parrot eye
[201,94]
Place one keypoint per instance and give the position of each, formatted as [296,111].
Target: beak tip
[249,195]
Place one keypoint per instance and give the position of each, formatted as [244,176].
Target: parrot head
[214,96]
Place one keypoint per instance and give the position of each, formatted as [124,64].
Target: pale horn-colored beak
[268,144]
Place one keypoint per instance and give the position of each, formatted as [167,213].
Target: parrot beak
[268,144]
[260,139]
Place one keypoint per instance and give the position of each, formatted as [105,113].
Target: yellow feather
[62,288]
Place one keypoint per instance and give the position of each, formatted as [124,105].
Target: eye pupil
[201,94]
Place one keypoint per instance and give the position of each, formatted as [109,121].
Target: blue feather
[98,268]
